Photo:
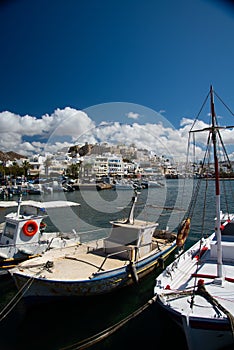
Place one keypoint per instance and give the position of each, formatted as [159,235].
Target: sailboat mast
[217,187]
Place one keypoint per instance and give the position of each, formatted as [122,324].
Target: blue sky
[161,54]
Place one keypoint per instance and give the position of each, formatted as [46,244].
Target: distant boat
[23,233]
[132,250]
[197,289]
[35,189]
[152,184]
[123,185]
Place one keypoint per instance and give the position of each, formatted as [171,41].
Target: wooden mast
[130,219]
[217,187]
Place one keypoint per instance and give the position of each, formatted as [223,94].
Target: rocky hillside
[10,156]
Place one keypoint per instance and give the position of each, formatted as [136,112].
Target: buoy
[183,232]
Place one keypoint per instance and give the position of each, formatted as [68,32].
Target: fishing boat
[123,185]
[197,289]
[152,184]
[23,234]
[133,248]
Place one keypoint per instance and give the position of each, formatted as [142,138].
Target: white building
[108,165]
[115,166]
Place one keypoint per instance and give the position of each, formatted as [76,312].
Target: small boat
[35,189]
[103,186]
[123,185]
[4,192]
[197,289]
[23,234]
[133,248]
[152,184]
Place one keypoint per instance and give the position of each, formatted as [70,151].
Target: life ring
[30,228]
[183,232]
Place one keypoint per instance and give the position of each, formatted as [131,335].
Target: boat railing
[129,250]
[94,245]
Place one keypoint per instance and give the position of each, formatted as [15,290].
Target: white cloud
[13,128]
[68,126]
[132,115]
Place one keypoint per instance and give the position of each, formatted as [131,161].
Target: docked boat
[133,248]
[35,189]
[197,289]
[123,185]
[23,234]
[152,184]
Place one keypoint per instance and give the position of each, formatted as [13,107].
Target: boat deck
[186,275]
[77,263]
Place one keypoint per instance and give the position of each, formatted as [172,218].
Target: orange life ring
[30,228]
[183,232]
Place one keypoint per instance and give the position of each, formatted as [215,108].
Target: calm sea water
[60,324]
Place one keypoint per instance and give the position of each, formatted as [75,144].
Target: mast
[217,187]
[130,219]
[19,204]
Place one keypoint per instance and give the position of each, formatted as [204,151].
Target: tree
[73,170]
[25,166]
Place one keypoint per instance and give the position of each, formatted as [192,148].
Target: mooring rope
[85,343]
[14,301]
[201,290]
[19,295]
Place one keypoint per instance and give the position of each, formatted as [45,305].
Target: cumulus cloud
[14,128]
[132,115]
[68,126]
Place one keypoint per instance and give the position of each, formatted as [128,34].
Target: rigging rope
[195,120]
[224,103]
[227,163]
[197,188]
[201,290]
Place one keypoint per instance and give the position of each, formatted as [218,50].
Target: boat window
[9,230]
[124,235]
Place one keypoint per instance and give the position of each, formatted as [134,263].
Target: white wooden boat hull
[204,326]
[201,332]
[101,282]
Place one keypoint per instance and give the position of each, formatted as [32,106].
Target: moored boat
[123,185]
[133,248]
[23,234]
[197,289]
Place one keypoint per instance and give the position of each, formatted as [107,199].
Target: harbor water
[62,324]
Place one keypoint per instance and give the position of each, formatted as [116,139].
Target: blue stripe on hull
[103,282]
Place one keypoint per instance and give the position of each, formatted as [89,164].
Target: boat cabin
[20,229]
[23,231]
[130,240]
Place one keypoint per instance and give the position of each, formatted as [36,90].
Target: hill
[10,156]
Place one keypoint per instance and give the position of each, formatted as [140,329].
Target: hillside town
[92,164]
